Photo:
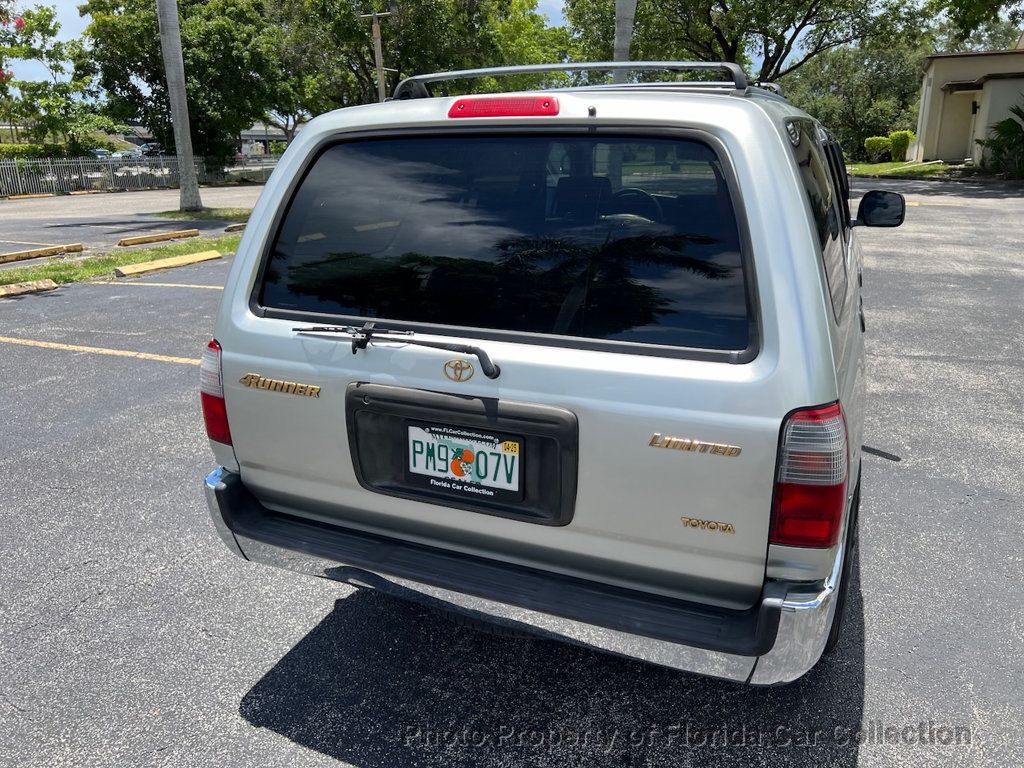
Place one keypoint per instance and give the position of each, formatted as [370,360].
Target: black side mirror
[881,209]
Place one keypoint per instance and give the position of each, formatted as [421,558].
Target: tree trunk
[174,65]
[625,12]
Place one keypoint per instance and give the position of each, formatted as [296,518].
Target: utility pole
[174,67]
[625,13]
[378,53]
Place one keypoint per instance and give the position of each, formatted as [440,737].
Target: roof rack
[415,87]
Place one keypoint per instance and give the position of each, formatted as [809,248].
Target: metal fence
[57,175]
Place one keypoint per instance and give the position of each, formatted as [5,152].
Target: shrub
[877,147]
[32,151]
[278,147]
[900,141]
[1005,144]
[12,151]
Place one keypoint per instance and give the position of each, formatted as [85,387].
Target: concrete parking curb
[30,197]
[234,227]
[34,253]
[32,286]
[129,270]
[159,237]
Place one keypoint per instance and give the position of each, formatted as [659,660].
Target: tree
[782,35]
[874,89]
[170,44]
[968,16]
[625,13]
[228,58]
[861,91]
[56,106]
[988,35]
[326,55]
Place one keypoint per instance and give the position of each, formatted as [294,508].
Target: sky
[72,25]
[553,10]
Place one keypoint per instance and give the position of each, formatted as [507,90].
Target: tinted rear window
[630,240]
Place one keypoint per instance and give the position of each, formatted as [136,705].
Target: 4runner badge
[459,370]
[256,381]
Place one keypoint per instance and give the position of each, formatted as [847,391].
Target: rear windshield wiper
[362,336]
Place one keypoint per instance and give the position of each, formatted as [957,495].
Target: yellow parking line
[163,285]
[98,350]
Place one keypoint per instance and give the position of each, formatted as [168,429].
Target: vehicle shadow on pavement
[381,683]
[986,189]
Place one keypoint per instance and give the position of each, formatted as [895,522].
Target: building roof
[976,85]
[1018,51]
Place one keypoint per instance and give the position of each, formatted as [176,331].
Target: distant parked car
[151,149]
[100,154]
[126,153]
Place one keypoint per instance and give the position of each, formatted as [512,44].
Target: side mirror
[881,209]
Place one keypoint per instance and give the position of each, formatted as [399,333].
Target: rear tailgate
[623,440]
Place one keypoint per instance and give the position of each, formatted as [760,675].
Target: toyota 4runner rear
[586,363]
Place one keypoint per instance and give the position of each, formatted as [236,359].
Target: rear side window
[813,168]
[614,239]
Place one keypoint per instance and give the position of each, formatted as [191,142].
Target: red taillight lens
[505,106]
[211,392]
[810,487]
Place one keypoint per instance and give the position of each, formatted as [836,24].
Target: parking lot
[99,221]
[130,636]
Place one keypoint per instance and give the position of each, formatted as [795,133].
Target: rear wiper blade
[362,336]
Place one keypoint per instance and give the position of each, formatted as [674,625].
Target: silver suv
[586,363]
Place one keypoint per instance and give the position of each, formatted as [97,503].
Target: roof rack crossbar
[415,87]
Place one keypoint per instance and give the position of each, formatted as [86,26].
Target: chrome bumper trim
[803,629]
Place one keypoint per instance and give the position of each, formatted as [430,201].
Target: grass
[240,215]
[74,270]
[910,170]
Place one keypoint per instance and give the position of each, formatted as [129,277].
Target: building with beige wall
[962,95]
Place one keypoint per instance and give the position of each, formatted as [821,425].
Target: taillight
[211,391]
[505,106]
[810,487]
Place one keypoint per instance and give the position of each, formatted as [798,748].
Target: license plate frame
[377,415]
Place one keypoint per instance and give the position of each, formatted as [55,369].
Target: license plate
[465,461]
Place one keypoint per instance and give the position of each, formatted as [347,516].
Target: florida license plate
[464,461]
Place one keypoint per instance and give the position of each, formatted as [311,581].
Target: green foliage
[278,147]
[285,61]
[11,151]
[782,34]
[899,143]
[229,67]
[325,52]
[862,91]
[1005,145]
[55,107]
[877,148]
[993,34]
[969,16]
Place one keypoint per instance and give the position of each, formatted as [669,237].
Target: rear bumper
[776,641]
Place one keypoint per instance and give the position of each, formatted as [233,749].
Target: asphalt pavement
[99,221]
[129,636]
